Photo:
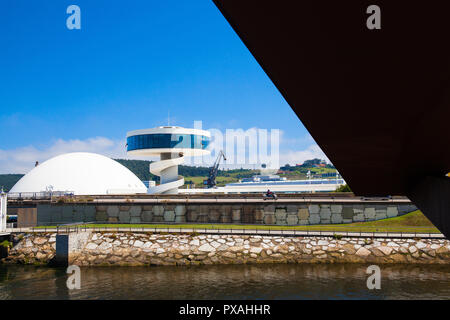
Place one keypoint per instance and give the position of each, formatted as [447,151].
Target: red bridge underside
[376,101]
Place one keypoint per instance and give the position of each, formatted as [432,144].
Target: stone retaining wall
[189,249]
[269,214]
[32,248]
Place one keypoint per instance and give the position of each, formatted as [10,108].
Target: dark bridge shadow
[376,101]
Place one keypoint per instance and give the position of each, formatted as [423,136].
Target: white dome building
[81,173]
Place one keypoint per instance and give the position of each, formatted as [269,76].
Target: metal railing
[208,228]
[44,195]
[71,227]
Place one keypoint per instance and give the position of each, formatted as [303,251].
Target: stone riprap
[269,214]
[133,249]
[32,248]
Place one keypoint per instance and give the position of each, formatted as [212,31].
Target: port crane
[211,181]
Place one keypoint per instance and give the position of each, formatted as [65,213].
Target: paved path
[252,200]
[291,233]
[220,198]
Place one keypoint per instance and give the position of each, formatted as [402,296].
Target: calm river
[336,281]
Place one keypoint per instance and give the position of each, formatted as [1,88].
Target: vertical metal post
[3,213]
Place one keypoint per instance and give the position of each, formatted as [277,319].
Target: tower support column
[170,174]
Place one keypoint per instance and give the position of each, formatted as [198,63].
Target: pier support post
[432,196]
[62,250]
[68,245]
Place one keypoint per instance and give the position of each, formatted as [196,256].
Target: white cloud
[22,160]
[293,157]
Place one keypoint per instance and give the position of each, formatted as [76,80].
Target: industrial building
[260,184]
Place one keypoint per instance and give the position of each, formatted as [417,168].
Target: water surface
[280,281]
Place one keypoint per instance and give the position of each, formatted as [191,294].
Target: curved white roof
[81,173]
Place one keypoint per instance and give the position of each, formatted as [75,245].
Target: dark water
[336,281]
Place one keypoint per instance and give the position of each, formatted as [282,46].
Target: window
[166,140]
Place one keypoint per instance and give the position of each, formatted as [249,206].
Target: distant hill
[197,174]
[141,169]
[317,167]
[7,181]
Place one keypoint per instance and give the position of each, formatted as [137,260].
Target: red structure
[385,92]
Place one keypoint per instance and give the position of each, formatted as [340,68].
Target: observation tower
[172,144]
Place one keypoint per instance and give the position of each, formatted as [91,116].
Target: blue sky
[131,63]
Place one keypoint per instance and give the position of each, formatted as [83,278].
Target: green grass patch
[414,222]
[220,180]
[5,244]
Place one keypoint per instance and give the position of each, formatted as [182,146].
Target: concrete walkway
[252,200]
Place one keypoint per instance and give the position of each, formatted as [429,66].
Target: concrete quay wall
[145,249]
[268,213]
